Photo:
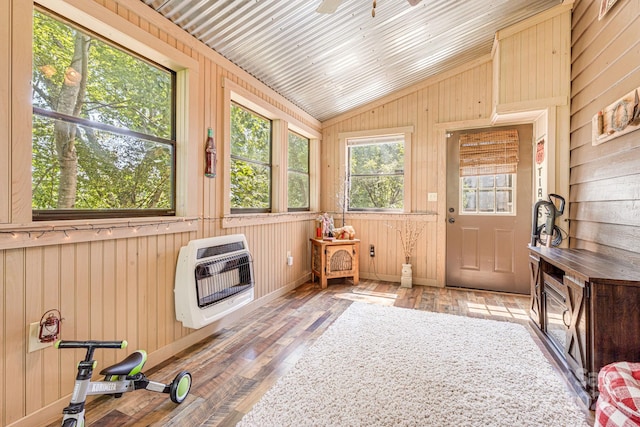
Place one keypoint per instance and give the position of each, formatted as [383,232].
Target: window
[488,167]
[104,139]
[298,173]
[250,184]
[375,173]
[270,159]
[488,194]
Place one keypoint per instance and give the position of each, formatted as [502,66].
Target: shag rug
[388,366]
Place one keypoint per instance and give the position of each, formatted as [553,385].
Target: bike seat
[131,365]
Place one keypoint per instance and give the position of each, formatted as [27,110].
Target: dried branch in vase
[409,233]
[342,198]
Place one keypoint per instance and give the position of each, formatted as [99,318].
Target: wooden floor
[233,369]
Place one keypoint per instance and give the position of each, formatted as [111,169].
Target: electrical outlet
[372,251]
[34,339]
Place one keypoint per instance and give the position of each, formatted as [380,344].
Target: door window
[488,194]
[488,167]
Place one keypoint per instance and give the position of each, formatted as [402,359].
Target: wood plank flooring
[236,366]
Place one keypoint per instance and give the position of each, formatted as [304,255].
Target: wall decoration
[540,152]
[541,168]
[605,5]
[619,118]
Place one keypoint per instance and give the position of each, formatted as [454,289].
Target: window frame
[283,122]
[74,214]
[117,30]
[407,133]
[269,165]
[170,142]
[307,173]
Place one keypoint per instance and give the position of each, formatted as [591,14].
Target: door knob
[451,220]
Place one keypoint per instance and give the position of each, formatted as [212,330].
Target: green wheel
[180,387]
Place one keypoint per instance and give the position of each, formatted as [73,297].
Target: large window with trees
[375,173]
[298,173]
[103,127]
[250,161]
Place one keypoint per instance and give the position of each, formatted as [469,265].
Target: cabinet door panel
[536,291]
[576,344]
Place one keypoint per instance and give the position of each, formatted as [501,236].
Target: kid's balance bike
[120,378]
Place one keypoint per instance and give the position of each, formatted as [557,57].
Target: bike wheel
[180,387]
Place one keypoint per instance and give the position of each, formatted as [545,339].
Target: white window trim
[407,131]
[282,123]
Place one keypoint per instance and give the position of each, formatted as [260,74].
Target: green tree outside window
[376,173]
[298,172]
[250,161]
[103,127]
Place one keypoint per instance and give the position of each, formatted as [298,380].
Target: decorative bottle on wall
[210,156]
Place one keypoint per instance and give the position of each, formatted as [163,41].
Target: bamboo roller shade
[489,153]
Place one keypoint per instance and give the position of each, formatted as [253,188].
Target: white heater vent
[214,277]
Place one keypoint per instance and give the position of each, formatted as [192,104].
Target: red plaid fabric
[619,400]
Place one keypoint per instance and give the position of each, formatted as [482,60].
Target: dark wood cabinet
[586,308]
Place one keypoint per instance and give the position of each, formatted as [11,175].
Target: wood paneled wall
[525,80]
[532,56]
[532,75]
[121,287]
[463,95]
[605,179]
[115,285]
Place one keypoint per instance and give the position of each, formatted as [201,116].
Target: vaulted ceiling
[328,64]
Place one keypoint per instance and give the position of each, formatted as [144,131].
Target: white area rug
[387,366]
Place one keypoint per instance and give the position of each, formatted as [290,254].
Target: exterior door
[486,247]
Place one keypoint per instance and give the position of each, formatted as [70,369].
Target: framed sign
[540,152]
[605,5]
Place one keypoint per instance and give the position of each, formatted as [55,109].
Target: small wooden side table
[335,258]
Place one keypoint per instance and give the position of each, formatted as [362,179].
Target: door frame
[441,130]
[514,227]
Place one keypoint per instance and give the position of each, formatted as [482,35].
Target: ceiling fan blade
[328,6]
[414,2]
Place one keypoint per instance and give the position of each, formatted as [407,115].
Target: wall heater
[214,277]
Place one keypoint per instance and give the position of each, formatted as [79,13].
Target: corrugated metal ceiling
[328,64]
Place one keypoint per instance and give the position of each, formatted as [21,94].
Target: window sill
[243,220]
[45,233]
[428,216]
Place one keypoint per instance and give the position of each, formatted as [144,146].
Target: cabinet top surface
[590,266]
[334,242]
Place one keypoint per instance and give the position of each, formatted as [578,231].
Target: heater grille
[222,278]
[214,277]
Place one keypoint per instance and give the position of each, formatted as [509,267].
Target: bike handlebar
[91,344]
